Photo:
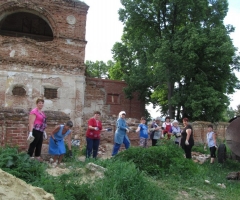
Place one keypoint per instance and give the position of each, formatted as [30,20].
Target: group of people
[183,138]
[158,130]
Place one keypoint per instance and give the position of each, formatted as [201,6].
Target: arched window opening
[23,24]
[19,91]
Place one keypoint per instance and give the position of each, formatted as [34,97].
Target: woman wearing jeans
[121,133]
[93,135]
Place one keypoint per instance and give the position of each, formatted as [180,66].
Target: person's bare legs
[55,158]
[60,158]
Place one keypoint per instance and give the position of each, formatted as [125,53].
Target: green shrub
[159,160]
[198,147]
[20,164]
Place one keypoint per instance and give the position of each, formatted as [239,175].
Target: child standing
[166,126]
[143,129]
[211,141]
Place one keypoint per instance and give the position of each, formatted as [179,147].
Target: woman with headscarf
[121,133]
[176,131]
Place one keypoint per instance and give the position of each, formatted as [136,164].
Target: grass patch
[155,173]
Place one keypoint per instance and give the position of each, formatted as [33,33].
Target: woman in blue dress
[56,142]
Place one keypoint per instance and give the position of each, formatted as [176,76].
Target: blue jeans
[92,147]
[116,146]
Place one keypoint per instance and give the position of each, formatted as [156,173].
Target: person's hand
[127,130]
[178,134]
[30,134]
[55,141]
[186,142]
[205,148]
[30,138]
[216,146]
[70,153]
[44,135]
[96,128]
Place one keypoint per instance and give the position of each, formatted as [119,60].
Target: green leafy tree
[228,114]
[115,72]
[178,54]
[238,110]
[98,69]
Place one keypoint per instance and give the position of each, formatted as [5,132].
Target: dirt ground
[12,188]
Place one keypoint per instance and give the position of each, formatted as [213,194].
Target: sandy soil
[12,188]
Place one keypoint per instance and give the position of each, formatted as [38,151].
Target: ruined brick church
[42,53]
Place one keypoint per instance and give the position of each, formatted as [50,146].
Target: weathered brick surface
[59,63]
[35,65]
[14,126]
[97,94]
[200,130]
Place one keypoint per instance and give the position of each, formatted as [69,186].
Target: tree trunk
[171,110]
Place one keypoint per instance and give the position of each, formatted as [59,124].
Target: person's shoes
[54,164]
[39,159]
[62,165]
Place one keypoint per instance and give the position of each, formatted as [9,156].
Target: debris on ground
[233,176]
[199,157]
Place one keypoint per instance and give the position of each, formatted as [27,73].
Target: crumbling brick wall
[109,98]
[199,131]
[34,64]
[14,126]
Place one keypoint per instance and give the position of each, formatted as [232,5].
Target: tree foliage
[178,54]
[238,110]
[98,69]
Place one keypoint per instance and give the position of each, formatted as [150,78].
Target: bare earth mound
[15,188]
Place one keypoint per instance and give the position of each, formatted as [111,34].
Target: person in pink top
[37,125]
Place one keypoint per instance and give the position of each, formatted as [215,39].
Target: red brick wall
[101,89]
[14,126]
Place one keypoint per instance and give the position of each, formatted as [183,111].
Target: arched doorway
[24,24]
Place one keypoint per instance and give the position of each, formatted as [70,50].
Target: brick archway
[26,6]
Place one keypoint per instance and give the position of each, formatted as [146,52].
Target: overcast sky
[104,29]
